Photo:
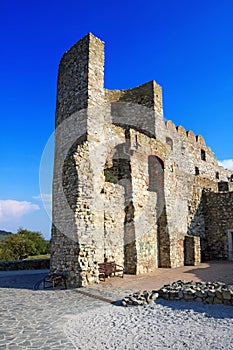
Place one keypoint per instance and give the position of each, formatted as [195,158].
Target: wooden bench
[55,279]
[109,268]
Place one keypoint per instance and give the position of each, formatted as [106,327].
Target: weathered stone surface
[218,213]
[127,186]
[140,298]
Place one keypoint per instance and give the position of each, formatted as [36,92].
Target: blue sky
[185,46]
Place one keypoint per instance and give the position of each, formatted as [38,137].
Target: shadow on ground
[209,310]
[21,279]
[220,271]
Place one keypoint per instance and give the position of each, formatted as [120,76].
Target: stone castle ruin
[129,186]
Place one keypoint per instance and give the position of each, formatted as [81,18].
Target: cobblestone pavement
[32,319]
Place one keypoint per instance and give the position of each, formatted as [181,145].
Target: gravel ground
[164,325]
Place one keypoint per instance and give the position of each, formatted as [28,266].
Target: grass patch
[36,257]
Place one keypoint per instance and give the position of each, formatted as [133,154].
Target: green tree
[23,244]
[41,245]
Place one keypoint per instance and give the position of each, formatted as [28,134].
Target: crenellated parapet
[188,135]
[191,152]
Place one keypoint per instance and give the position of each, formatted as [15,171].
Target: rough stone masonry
[129,186]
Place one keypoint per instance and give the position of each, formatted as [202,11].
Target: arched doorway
[156,184]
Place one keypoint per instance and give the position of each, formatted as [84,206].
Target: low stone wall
[39,264]
[205,292]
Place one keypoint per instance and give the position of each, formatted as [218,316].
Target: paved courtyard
[34,319]
[37,319]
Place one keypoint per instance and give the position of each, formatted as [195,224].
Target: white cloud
[11,209]
[227,164]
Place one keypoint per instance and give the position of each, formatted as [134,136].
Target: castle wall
[114,204]
[145,196]
[218,224]
[127,186]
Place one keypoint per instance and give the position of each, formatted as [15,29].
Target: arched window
[203,155]
[156,173]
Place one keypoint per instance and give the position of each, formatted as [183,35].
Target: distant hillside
[3,234]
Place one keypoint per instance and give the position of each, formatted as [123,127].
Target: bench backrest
[107,266]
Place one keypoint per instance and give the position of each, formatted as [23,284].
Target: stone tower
[79,93]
